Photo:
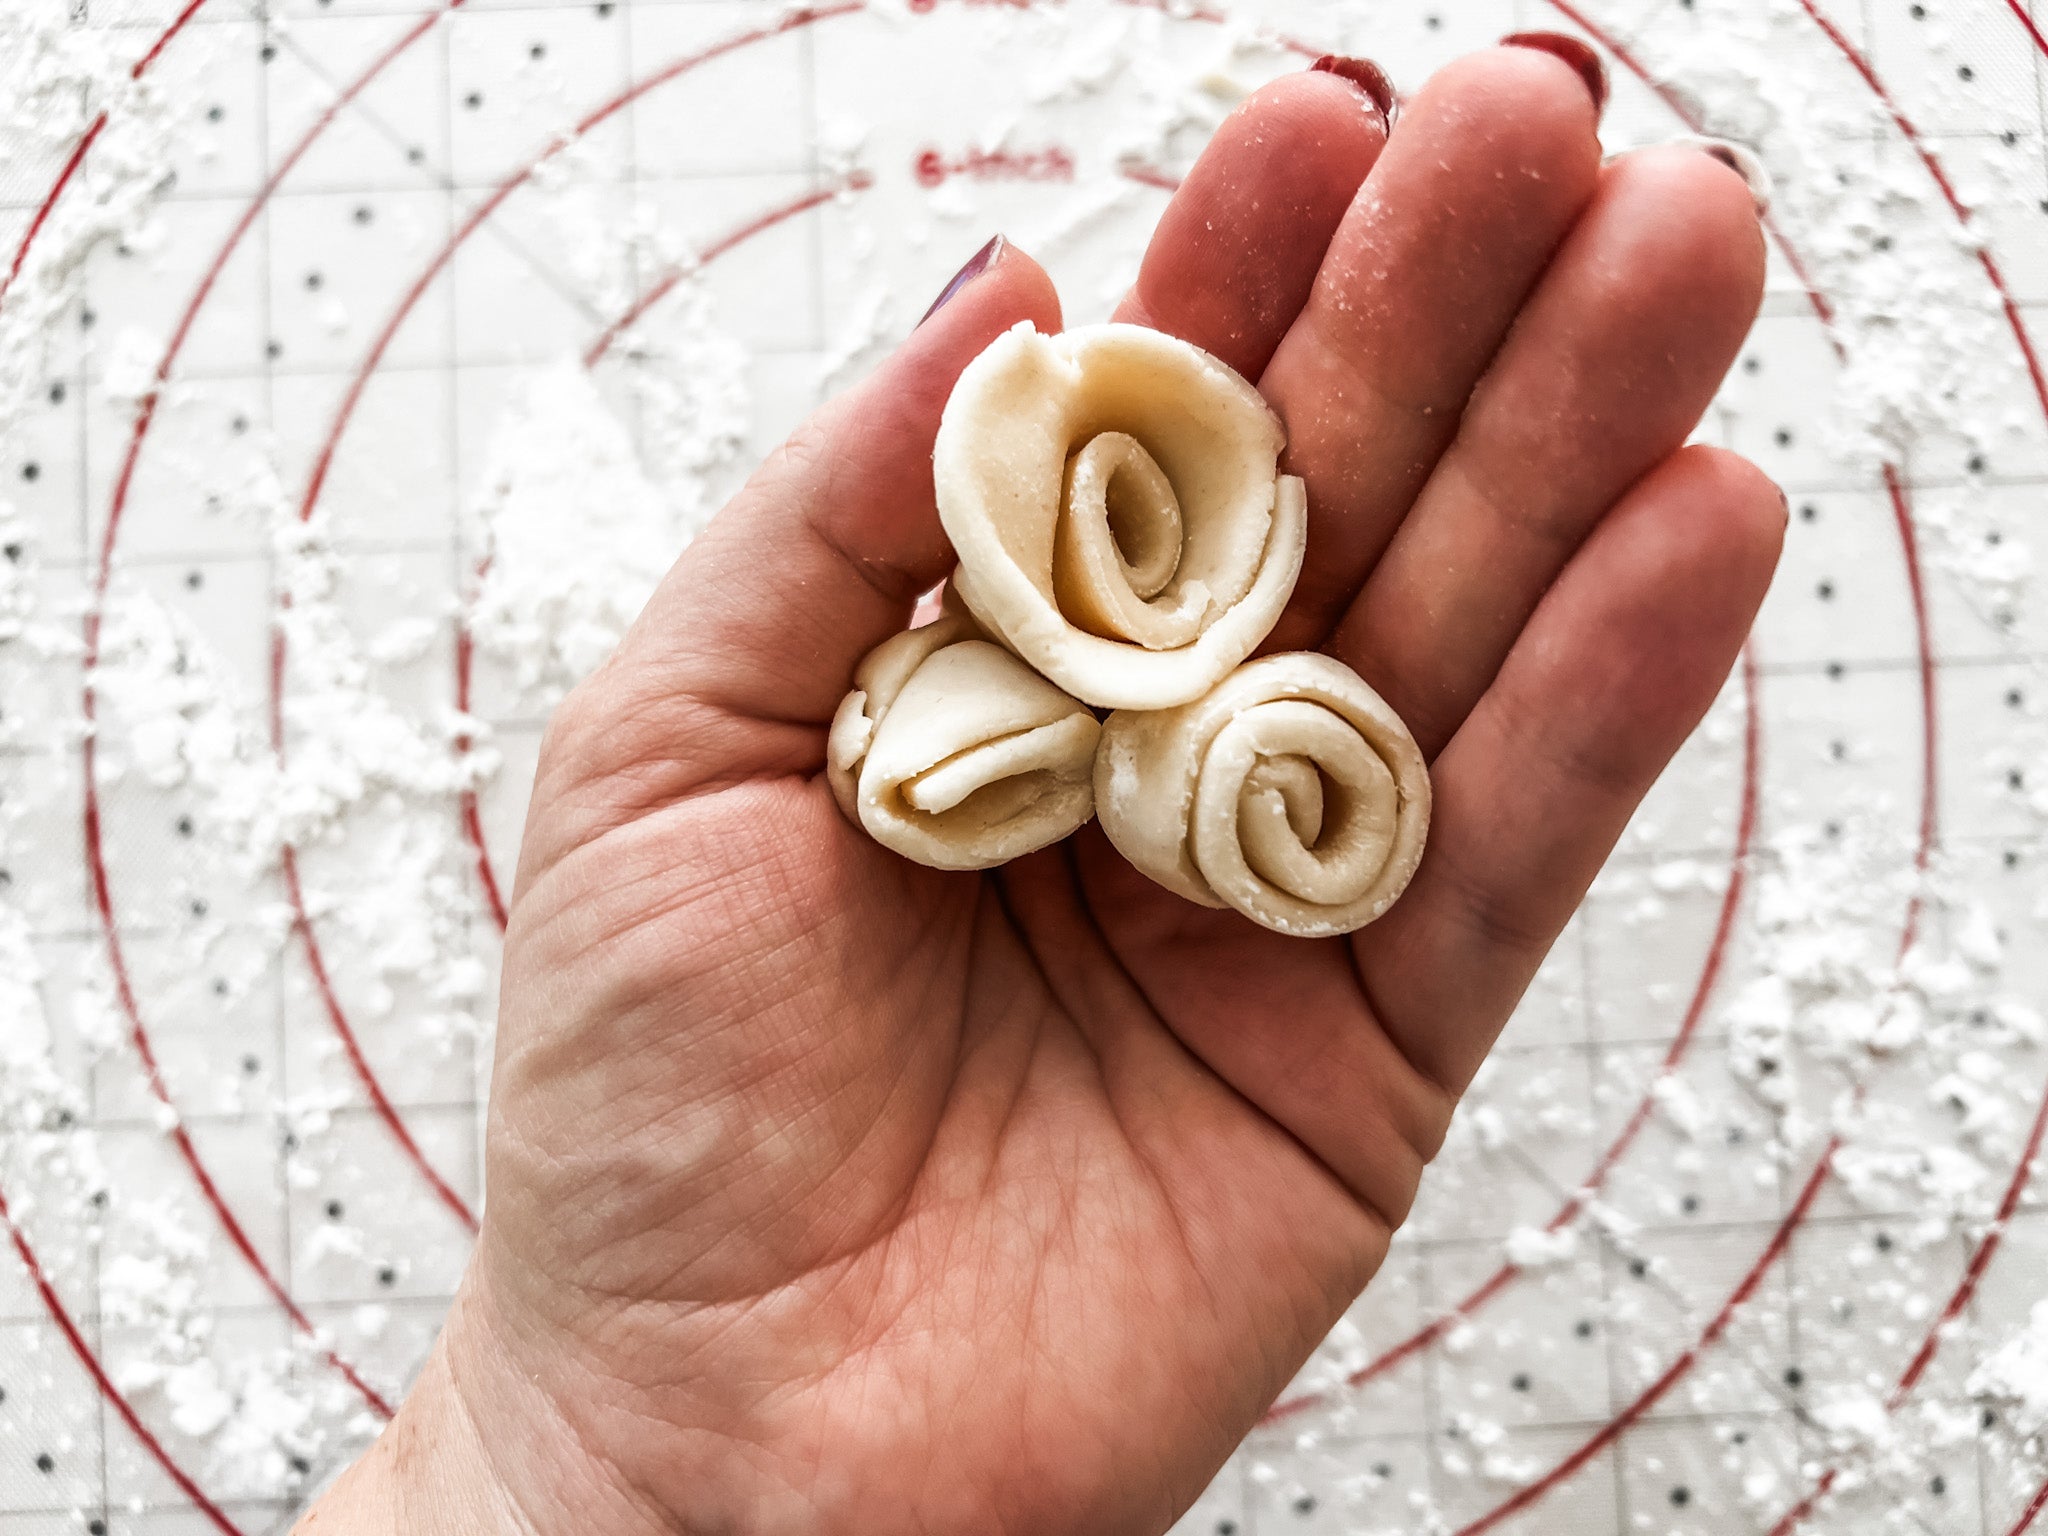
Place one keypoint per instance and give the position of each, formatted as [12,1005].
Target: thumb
[748,645]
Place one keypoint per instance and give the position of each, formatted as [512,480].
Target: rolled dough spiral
[1115,499]
[1290,792]
[955,754]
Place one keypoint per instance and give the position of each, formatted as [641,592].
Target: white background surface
[1616,1355]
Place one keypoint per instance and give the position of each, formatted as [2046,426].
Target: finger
[1492,163]
[1237,249]
[1608,369]
[823,553]
[1620,662]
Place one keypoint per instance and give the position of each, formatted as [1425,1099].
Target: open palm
[832,1193]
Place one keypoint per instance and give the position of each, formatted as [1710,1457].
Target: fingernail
[977,264]
[1367,76]
[1742,161]
[1578,54]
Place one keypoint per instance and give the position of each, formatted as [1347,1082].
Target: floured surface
[1791,1048]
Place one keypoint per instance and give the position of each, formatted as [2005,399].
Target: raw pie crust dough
[955,754]
[1115,498]
[1291,792]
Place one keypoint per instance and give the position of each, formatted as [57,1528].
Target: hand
[830,1193]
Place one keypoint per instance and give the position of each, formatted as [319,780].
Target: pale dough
[955,754]
[1290,792]
[1114,496]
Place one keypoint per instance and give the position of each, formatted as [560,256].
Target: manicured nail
[1367,76]
[1742,161]
[977,264]
[1578,54]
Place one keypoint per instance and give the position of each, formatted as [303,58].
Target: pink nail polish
[1367,76]
[1573,51]
[977,264]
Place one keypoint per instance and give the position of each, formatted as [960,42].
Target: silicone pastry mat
[365,362]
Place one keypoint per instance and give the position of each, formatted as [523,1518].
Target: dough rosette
[955,754]
[1114,496]
[1290,792]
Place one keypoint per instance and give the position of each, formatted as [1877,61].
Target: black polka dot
[1585,1328]
[387,1276]
[215,113]
[184,826]
[1639,1267]
[1990,1417]
[251,1065]
[301,1466]
[57,394]
[1226,1528]
[1808,512]
[2012,858]
[1521,1382]
[415,155]
[1825,591]
[1382,1470]
[199,906]
[364,214]
[1976,463]
[1794,1377]
[220,986]
[269,52]
[1965,73]
[1752,365]
[313,281]
[1838,750]
[473,100]
[1690,1204]
[1882,243]
[87,319]
[1681,1496]
[96,1528]
[195,579]
[1938,1486]
[13,553]
[273,349]
[2016,779]
[239,425]
[1784,437]
[1836,670]
[1919,13]
[334,1210]
[45,1462]
[537,51]
[604,7]
[31,471]
[2014,698]
[1882,1242]
[1305,1505]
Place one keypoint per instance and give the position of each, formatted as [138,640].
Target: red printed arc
[76,159]
[145,415]
[661,288]
[59,1314]
[115,1399]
